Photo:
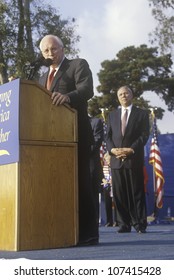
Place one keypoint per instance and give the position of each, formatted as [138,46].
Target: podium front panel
[48,196]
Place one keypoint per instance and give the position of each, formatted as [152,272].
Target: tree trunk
[20,37]
[3,67]
[29,41]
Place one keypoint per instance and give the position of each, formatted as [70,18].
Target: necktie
[50,78]
[124,122]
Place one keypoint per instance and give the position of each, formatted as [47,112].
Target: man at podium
[70,81]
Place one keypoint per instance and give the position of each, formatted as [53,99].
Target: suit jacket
[74,78]
[135,137]
[97,128]
[95,161]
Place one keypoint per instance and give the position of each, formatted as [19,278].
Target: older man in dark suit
[127,133]
[70,81]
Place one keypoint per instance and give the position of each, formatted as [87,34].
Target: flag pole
[103,113]
[154,214]
[100,198]
[158,176]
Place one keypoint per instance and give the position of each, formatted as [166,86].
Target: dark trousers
[88,226]
[128,190]
[96,189]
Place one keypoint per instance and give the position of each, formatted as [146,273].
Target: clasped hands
[122,153]
[59,98]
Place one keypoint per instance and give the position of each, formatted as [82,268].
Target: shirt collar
[128,108]
[57,68]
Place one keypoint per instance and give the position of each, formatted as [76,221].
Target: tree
[140,68]
[5,28]
[22,24]
[163,35]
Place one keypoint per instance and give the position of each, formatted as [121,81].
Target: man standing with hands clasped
[70,82]
[127,133]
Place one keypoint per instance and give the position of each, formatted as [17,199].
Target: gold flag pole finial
[103,114]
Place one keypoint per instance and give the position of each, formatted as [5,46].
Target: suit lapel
[44,79]
[60,72]
[131,119]
[118,120]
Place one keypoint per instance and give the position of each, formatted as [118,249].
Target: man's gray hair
[127,88]
[59,41]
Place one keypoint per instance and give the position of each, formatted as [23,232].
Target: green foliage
[22,24]
[162,3]
[163,35]
[48,21]
[142,69]
[97,103]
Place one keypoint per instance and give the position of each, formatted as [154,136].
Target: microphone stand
[30,69]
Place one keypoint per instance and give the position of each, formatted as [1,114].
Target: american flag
[103,146]
[155,160]
[102,152]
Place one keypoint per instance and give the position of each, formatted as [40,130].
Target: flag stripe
[103,146]
[155,160]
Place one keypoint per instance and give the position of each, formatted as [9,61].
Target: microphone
[31,68]
[38,61]
[47,62]
[41,61]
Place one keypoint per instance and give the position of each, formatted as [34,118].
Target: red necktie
[50,78]
[124,122]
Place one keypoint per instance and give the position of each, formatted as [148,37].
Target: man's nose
[50,51]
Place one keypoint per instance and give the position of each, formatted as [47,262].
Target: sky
[106,27]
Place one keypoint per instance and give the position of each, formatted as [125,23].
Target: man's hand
[122,153]
[59,99]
